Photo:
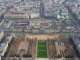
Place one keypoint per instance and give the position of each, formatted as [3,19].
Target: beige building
[1,34]
[15,15]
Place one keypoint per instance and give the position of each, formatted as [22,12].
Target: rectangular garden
[42,52]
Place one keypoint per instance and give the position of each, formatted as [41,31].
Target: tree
[69,56]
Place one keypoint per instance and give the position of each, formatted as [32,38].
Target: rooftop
[14,13]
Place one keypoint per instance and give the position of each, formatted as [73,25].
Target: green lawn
[42,52]
[66,32]
[76,32]
[37,18]
[42,47]
[41,42]
[45,18]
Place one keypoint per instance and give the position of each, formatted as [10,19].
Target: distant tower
[41,9]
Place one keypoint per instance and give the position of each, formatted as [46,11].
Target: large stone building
[15,15]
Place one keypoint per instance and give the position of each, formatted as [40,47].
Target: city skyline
[39,29]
